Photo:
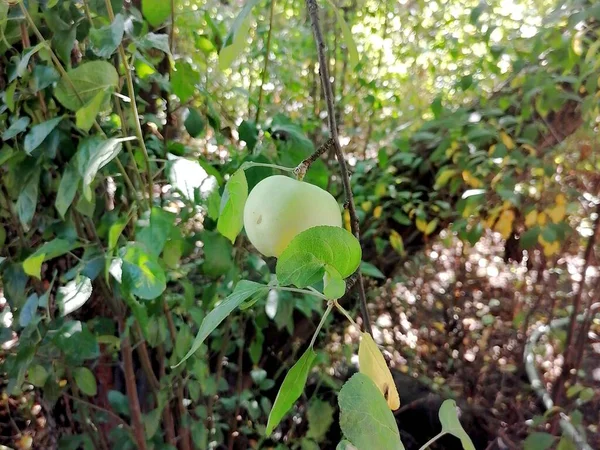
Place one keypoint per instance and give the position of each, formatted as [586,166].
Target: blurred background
[470,129]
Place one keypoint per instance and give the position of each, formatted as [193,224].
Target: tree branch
[265,71]
[313,11]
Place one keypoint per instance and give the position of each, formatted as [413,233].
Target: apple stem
[313,11]
[250,164]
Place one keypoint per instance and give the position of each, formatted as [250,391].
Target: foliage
[132,136]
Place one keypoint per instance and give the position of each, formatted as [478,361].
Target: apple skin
[280,207]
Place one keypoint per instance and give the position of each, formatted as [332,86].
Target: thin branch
[321,323]
[303,167]
[313,11]
[136,116]
[101,409]
[265,71]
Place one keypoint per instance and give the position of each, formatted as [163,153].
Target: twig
[303,167]
[131,388]
[313,11]
[568,357]
[321,323]
[101,409]
[136,116]
[266,66]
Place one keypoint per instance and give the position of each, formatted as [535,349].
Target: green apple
[280,207]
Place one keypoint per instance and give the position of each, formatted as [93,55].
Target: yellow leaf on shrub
[504,225]
[396,242]
[443,178]
[531,218]
[530,149]
[366,206]
[550,248]
[380,189]
[347,220]
[373,365]
[421,225]
[561,199]
[492,149]
[557,213]
[431,227]
[542,218]
[471,180]
[377,211]
[507,140]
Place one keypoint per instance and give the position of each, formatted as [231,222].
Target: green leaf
[450,424]
[529,238]
[142,275]
[155,235]
[538,441]
[156,11]
[49,250]
[86,115]
[304,260]
[291,389]
[566,443]
[353,56]
[27,200]
[217,254]
[365,418]
[370,270]
[248,133]
[69,184]
[231,51]
[73,295]
[17,127]
[38,133]
[243,291]
[104,41]
[320,416]
[44,76]
[115,231]
[87,80]
[22,66]
[37,375]
[194,123]
[154,40]
[92,155]
[183,81]
[28,310]
[231,217]
[86,381]
[334,286]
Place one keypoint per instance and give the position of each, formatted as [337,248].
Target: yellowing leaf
[431,227]
[557,213]
[489,223]
[443,178]
[396,242]
[471,180]
[561,199]
[530,149]
[504,225]
[507,140]
[550,248]
[531,218]
[492,149]
[347,225]
[373,365]
[380,189]
[366,206]
[377,211]
[421,225]
[542,218]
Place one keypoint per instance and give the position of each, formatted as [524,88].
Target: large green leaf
[49,250]
[73,295]
[156,11]
[365,418]
[231,217]
[537,441]
[242,292]
[237,37]
[86,115]
[92,155]
[304,260]
[218,251]
[85,82]
[194,123]
[38,133]
[451,424]
[16,127]
[142,275]
[104,41]
[291,389]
